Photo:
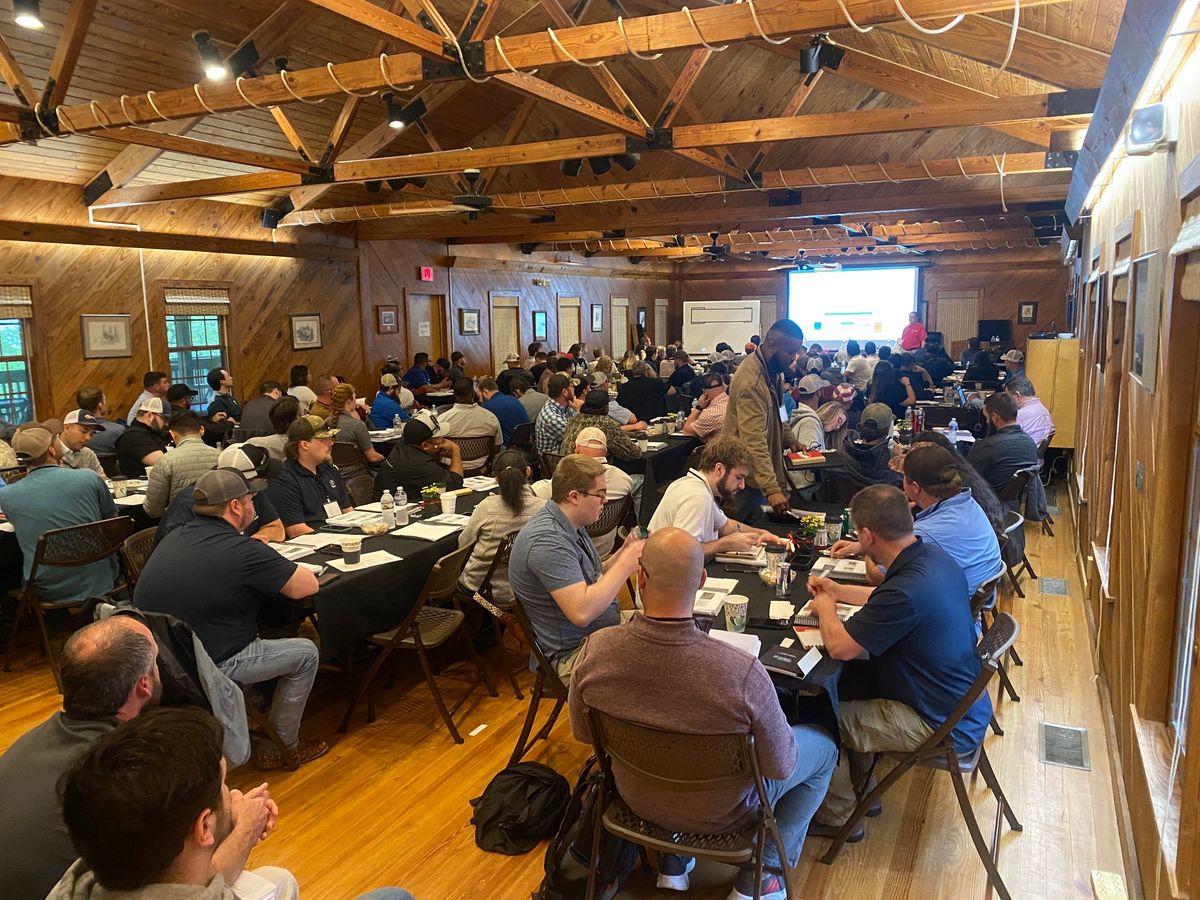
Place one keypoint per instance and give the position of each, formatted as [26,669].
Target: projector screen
[868,304]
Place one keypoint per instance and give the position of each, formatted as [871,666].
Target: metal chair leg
[985,852]
[996,729]
[40,615]
[523,742]
[1012,578]
[437,695]
[989,776]
[263,721]
[478,663]
[22,606]
[509,673]
[860,810]
[363,688]
[1006,685]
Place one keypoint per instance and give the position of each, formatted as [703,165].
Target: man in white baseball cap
[78,428]
[1014,363]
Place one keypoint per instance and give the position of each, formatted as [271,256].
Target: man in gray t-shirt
[554,569]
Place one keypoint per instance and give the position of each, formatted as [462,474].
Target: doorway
[426,321]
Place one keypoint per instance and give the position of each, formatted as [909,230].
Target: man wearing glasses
[555,571]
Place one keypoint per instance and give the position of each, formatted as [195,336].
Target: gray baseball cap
[223,485]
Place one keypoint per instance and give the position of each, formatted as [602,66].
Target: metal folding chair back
[1015,487]
[473,448]
[612,515]
[360,487]
[347,457]
[522,437]
[982,598]
[550,462]
[14,474]
[485,598]
[135,552]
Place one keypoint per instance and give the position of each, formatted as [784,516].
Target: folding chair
[262,721]
[1045,475]
[13,475]
[613,513]
[349,459]
[938,752]
[426,628]
[546,683]
[522,437]
[683,763]
[549,463]
[1014,521]
[500,614]
[78,545]
[360,487]
[134,554]
[983,602]
[476,448]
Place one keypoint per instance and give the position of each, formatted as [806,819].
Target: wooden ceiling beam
[518,121]
[66,52]
[147,137]
[779,180]
[792,108]
[684,82]
[269,38]
[291,134]
[423,41]
[536,87]
[14,76]
[997,237]
[730,23]
[478,20]
[725,163]
[1035,55]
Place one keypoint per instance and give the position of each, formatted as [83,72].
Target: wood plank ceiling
[131,47]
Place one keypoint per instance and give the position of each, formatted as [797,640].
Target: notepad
[747,643]
[480,483]
[250,886]
[315,568]
[756,558]
[366,561]
[808,617]
[709,602]
[424,532]
[458,520]
[291,551]
[316,540]
[354,517]
[851,571]
[130,500]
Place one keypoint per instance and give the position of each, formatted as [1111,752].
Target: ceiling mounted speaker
[1149,130]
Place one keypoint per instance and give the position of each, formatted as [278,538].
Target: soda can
[783,585]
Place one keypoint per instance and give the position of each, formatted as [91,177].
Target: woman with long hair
[493,519]
[885,387]
[835,418]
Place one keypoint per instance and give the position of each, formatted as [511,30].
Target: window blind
[196,301]
[16,301]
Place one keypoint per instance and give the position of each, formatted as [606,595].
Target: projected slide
[863,304]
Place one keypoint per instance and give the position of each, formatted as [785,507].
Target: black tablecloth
[812,699]
[11,562]
[659,467]
[357,605]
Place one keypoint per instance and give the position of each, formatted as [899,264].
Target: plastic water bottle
[401,498]
[388,508]
[397,422]
[953,432]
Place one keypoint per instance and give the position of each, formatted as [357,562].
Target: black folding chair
[611,516]
[135,552]
[549,463]
[546,683]
[501,614]
[476,448]
[938,752]
[983,605]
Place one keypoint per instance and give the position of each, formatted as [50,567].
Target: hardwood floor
[389,804]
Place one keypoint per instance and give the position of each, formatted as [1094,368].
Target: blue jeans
[294,662]
[386,894]
[798,796]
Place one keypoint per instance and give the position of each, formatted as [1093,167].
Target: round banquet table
[660,466]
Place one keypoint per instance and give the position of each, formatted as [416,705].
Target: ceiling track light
[400,115]
[28,14]
[820,52]
[215,68]
[599,164]
[627,160]
[570,167]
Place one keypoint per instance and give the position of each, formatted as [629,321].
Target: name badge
[332,509]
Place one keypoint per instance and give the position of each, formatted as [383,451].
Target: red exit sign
[425,273]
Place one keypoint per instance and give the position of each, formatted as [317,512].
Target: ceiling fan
[473,202]
[800,264]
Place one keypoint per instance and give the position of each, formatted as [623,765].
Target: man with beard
[109,675]
[757,415]
[693,502]
[209,574]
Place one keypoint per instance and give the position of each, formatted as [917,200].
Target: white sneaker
[772,889]
[670,878]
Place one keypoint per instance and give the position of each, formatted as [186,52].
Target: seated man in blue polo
[386,405]
[554,569]
[309,489]
[417,378]
[210,575]
[422,457]
[917,627]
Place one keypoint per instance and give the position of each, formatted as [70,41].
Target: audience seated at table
[322,405]
[512,369]
[935,360]
[254,463]
[969,352]
[867,455]
[551,423]
[594,414]
[142,443]
[555,570]
[256,415]
[223,401]
[109,674]
[1007,449]
[693,503]
[213,550]
[1032,415]
[350,428]
[466,418]
[835,422]
[532,401]
[507,409]
[981,368]
[890,388]
[298,380]
[309,488]
[284,412]
[51,496]
[981,491]
[917,627]
[593,443]
[494,518]
[74,434]
[181,466]
[707,417]
[918,377]
[1014,363]
[386,405]
[633,672]
[95,401]
[216,426]
[806,431]
[858,367]
[421,458]
[643,394]
[419,379]
[154,384]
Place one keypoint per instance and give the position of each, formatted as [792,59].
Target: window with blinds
[568,322]
[16,385]
[506,333]
[620,326]
[196,337]
[957,316]
[660,321]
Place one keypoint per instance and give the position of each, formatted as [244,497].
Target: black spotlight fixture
[215,68]
[570,167]
[28,14]
[373,187]
[395,112]
[810,57]
[627,160]
[599,164]
[397,184]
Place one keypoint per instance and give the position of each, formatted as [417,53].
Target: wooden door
[568,322]
[426,318]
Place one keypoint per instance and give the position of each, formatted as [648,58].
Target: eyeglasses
[599,496]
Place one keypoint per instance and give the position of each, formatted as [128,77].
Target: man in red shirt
[914,334]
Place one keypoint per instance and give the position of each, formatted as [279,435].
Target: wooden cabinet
[1053,367]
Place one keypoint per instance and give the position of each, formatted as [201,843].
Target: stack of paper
[850,571]
[366,561]
[808,616]
[424,532]
[458,520]
[292,551]
[755,559]
[747,643]
[711,597]
[354,517]
[480,483]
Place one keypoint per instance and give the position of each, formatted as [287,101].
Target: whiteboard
[708,322]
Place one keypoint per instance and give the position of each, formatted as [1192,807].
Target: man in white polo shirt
[693,501]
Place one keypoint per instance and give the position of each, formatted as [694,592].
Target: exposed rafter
[66,53]
[410,34]
[146,137]
[14,76]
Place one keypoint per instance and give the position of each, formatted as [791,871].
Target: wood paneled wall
[69,280]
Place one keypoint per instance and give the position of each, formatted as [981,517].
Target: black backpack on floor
[521,805]
[570,850]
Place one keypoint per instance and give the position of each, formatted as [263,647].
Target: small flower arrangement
[810,525]
[431,492]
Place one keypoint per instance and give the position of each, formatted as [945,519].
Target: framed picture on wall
[597,317]
[388,319]
[1027,313]
[306,331]
[1147,297]
[468,321]
[641,317]
[540,325]
[105,336]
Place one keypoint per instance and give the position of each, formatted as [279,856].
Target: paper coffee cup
[448,502]
[402,516]
[736,608]
[352,551]
[643,444]
[120,487]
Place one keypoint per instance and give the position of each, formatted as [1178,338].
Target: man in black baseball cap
[421,458]
[212,550]
[179,395]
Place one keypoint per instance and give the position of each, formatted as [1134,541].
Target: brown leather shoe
[267,758]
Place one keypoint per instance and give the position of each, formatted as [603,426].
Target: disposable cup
[120,488]
[643,444]
[351,551]
[448,502]
[402,517]
[736,607]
